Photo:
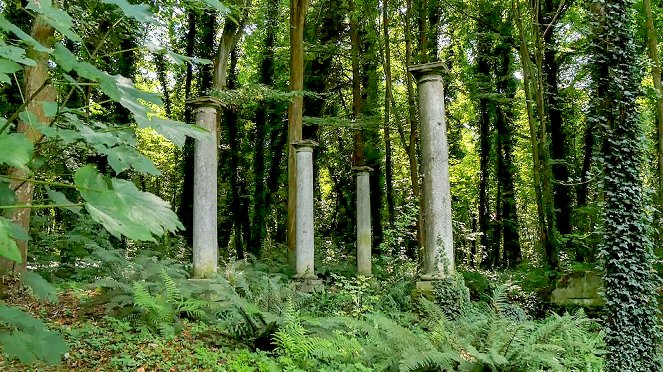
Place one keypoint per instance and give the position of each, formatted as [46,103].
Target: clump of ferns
[301,347]
[497,336]
[163,309]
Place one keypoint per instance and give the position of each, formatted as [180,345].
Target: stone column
[363,221]
[205,164]
[304,234]
[436,194]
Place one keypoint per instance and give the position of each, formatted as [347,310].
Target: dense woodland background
[555,130]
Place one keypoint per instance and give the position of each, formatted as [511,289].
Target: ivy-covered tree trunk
[632,327]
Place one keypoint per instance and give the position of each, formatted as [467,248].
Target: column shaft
[363,223]
[304,237]
[438,235]
[205,249]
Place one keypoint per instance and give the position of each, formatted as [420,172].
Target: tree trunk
[185,212]
[358,154]
[550,13]
[298,10]
[388,97]
[412,119]
[36,85]
[511,252]
[263,125]
[652,48]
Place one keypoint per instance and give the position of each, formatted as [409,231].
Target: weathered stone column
[436,194]
[205,160]
[304,253]
[364,238]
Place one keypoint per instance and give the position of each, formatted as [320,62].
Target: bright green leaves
[8,247]
[123,209]
[29,339]
[15,150]
[11,59]
[55,17]
[139,12]
[176,132]
[7,26]
[60,199]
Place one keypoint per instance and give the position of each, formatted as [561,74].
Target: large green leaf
[123,209]
[40,286]
[7,195]
[8,247]
[15,150]
[15,54]
[29,339]
[123,157]
[139,12]
[8,67]
[59,198]
[55,17]
[22,35]
[176,131]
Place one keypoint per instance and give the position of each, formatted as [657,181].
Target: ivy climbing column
[436,194]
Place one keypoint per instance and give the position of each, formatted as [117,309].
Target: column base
[307,285]
[427,281]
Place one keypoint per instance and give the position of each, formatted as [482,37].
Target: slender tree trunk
[185,212]
[412,119]
[652,49]
[528,85]
[35,83]
[160,64]
[298,9]
[358,154]
[388,98]
[263,125]
[511,252]
[485,107]
[559,146]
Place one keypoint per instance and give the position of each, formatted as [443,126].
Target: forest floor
[98,342]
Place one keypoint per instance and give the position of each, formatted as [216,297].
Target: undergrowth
[247,319]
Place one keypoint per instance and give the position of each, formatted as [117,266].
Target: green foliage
[122,209]
[451,295]
[15,150]
[633,332]
[162,310]
[28,339]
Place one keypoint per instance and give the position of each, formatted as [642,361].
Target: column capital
[362,169]
[206,101]
[426,71]
[304,145]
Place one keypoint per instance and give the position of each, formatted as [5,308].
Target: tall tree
[633,330]
[264,124]
[298,9]
[388,98]
[37,90]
